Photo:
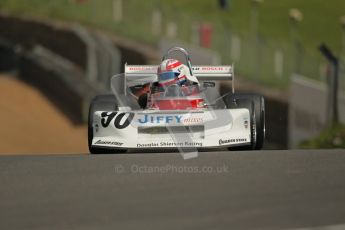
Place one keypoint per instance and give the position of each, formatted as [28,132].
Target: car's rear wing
[148,73]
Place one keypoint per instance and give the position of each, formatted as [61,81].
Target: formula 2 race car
[148,109]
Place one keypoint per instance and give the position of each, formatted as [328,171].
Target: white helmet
[172,71]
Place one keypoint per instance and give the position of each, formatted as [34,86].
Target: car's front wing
[171,129]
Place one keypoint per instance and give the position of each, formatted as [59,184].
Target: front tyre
[259,108]
[106,102]
[244,103]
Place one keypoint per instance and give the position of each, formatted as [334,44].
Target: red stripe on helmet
[173,64]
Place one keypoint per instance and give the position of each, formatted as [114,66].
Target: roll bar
[183,51]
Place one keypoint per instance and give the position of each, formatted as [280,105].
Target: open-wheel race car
[175,105]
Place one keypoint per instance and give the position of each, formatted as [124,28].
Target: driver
[172,71]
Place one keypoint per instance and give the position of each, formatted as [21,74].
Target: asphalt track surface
[217,190]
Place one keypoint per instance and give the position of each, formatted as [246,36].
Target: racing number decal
[107,117]
[126,123]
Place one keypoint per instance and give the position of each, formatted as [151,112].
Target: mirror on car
[209,84]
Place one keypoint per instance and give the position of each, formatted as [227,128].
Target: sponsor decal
[141,68]
[181,144]
[121,120]
[167,119]
[170,144]
[96,128]
[158,119]
[193,120]
[148,145]
[100,142]
[180,69]
[231,141]
[246,124]
[208,68]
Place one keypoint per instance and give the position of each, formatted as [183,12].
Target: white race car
[144,114]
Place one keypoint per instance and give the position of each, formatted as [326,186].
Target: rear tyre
[106,102]
[244,103]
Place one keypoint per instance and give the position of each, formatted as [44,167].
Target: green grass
[333,137]
[320,24]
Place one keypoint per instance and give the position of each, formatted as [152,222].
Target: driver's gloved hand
[142,100]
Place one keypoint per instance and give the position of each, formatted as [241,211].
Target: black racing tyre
[259,107]
[246,103]
[106,102]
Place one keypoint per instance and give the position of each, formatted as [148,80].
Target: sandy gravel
[30,123]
